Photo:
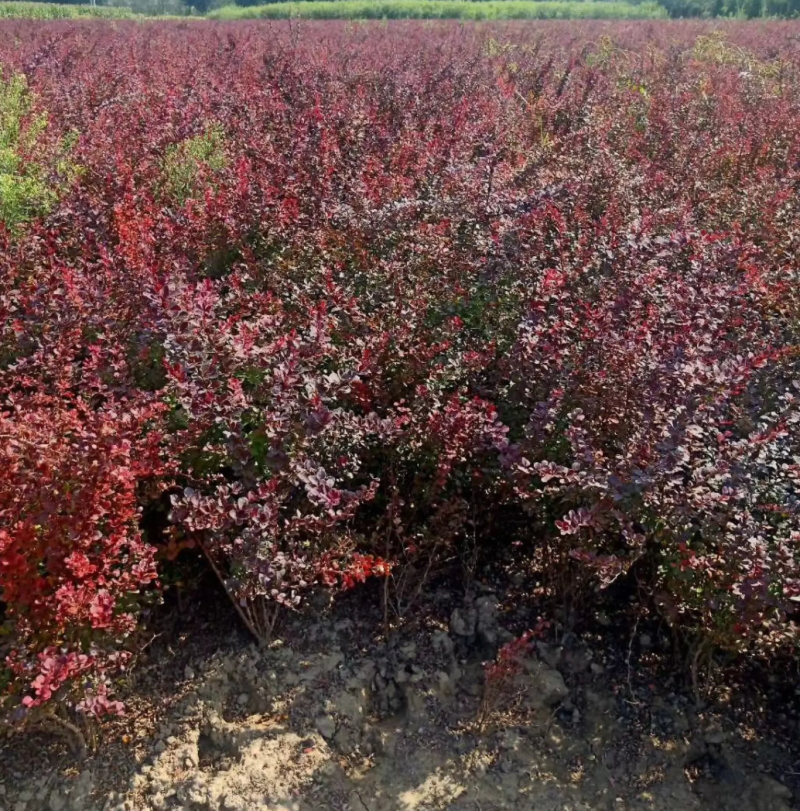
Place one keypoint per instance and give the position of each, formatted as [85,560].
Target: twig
[70,730]
[524,100]
[239,609]
[360,798]
[635,701]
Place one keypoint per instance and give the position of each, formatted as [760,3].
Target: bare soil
[334,716]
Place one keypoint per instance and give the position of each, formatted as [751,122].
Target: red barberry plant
[364,301]
[500,677]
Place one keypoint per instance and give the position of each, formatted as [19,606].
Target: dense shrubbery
[746,9]
[443,9]
[349,301]
[407,9]
[59,11]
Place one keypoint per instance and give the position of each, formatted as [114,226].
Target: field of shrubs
[322,304]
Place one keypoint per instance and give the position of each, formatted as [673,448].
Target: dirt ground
[332,716]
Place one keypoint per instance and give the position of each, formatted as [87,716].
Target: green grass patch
[443,9]
[54,11]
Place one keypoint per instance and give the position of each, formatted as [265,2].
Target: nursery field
[298,308]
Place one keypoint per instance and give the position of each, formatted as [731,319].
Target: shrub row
[443,9]
[334,302]
[57,11]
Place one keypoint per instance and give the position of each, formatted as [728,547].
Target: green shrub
[186,164]
[56,11]
[443,9]
[27,189]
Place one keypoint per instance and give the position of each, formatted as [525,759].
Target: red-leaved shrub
[363,300]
